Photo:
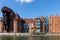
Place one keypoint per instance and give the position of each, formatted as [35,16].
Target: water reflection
[29,38]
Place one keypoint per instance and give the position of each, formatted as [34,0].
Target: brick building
[27,24]
[54,23]
[1,25]
[17,23]
[37,24]
[11,21]
[42,24]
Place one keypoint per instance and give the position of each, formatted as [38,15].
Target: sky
[32,8]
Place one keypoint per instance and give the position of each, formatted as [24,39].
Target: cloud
[22,1]
[29,0]
[25,1]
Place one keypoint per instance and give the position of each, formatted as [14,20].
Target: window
[38,19]
[38,24]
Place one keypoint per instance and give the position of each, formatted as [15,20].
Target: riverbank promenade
[29,34]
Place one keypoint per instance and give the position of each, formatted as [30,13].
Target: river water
[29,37]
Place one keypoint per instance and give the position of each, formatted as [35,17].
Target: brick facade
[1,25]
[54,23]
[13,23]
[42,23]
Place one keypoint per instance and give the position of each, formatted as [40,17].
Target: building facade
[42,24]
[1,25]
[11,22]
[46,24]
[37,24]
[54,23]
[27,25]
[17,23]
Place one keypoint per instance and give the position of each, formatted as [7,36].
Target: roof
[17,17]
[4,8]
[28,20]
